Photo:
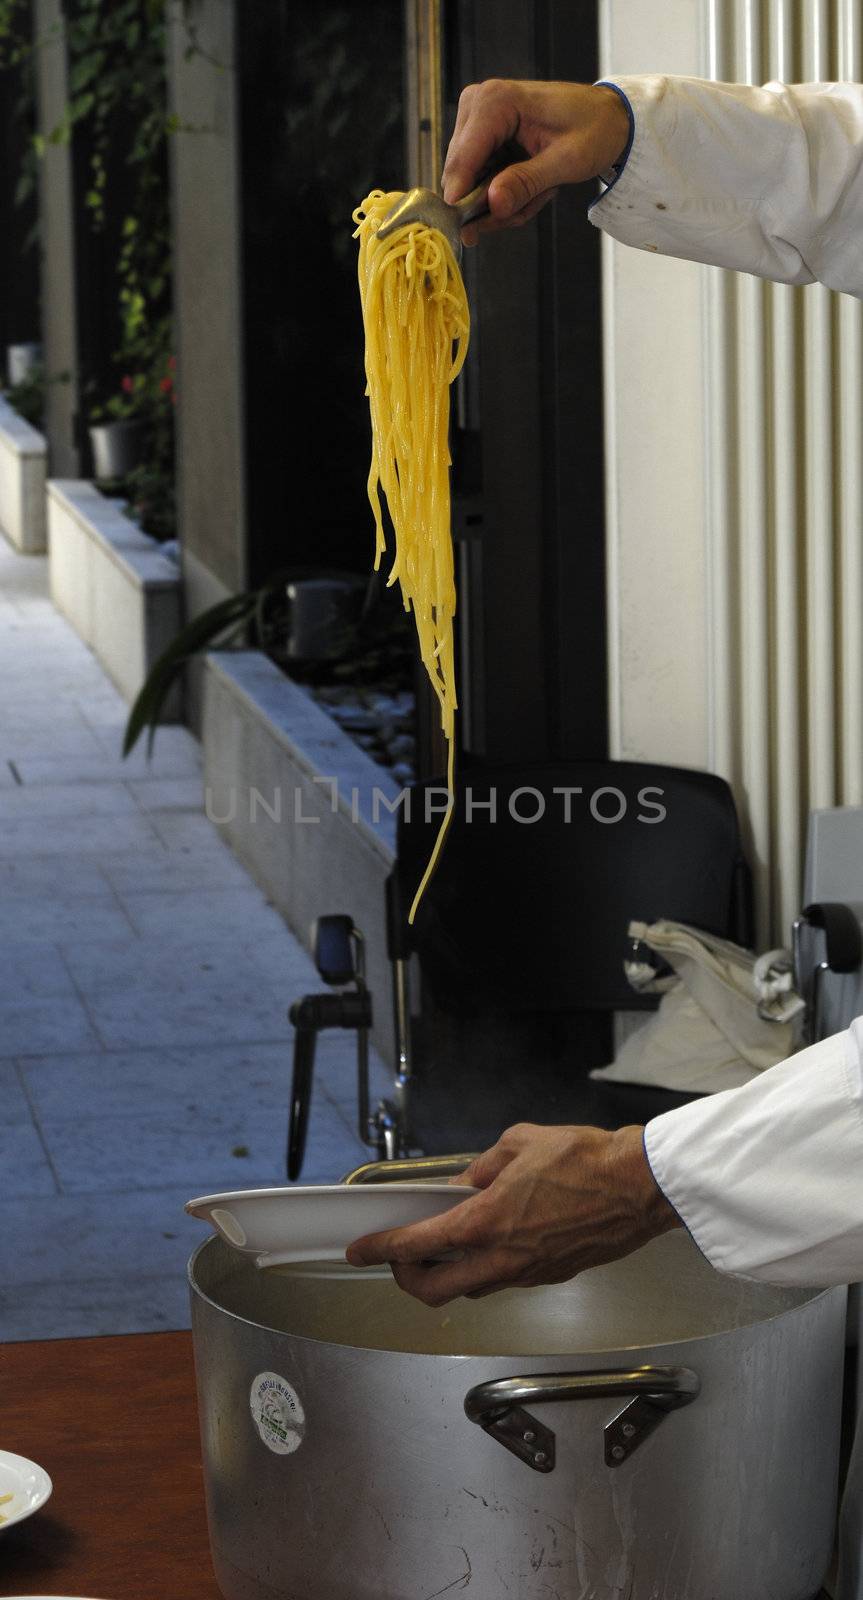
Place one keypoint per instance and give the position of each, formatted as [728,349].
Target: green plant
[117,106]
[220,624]
[28,396]
[126,403]
[378,649]
[16,60]
[118,96]
[15,43]
[117,102]
[152,498]
[150,487]
[148,395]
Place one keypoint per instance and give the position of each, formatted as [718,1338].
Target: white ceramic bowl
[317,1223]
[27,1483]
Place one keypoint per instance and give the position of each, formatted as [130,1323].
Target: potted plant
[320,626]
[26,394]
[117,431]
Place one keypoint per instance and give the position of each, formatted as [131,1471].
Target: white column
[654,447]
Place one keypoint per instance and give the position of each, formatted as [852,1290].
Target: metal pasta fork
[423,205]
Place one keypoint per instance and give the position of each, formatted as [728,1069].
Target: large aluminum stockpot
[671,1434]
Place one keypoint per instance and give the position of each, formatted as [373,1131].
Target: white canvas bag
[724,1015]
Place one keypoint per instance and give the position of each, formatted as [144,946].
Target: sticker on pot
[277,1413]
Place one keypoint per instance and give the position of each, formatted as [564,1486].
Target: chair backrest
[546,865]
[833,873]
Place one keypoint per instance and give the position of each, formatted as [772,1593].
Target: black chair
[521,939]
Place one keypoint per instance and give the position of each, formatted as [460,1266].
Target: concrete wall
[121,595]
[315,847]
[23,455]
[654,377]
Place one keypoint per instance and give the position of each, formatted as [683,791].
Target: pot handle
[652,1391]
[409,1169]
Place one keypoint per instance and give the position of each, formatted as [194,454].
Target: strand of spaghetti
[442,833]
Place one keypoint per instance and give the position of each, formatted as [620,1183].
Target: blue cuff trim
[618,166]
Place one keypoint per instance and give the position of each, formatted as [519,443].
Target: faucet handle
[334,949]
[310,1016]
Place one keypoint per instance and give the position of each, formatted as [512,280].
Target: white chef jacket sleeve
[764,180]
[768,1178]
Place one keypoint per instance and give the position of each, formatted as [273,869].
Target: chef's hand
[570,131]
[554,1201]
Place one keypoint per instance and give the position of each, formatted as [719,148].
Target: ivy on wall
[116,109]
[16,56]
[117,102]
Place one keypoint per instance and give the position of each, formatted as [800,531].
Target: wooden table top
[114,1422]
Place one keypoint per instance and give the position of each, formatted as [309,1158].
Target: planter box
[23,470]
[121,595]
[314,846]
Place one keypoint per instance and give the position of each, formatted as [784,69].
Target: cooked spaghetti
[417,324]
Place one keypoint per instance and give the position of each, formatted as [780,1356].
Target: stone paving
[144,1048]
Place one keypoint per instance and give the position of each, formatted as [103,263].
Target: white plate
[28,1484]
[317,1223]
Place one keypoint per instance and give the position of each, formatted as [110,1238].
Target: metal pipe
[362,1040]
[818,410]
[418,1169]
[404,1061]
[718,318]
[752,517]
[423,92]
[850,477]
[785,590]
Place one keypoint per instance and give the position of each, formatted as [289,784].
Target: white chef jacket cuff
[768,1178]
[630,202]
[690,171]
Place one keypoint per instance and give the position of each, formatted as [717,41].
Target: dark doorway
[528,498]
[321,124]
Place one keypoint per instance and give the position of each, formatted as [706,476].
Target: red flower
[128,385]
[166,385]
